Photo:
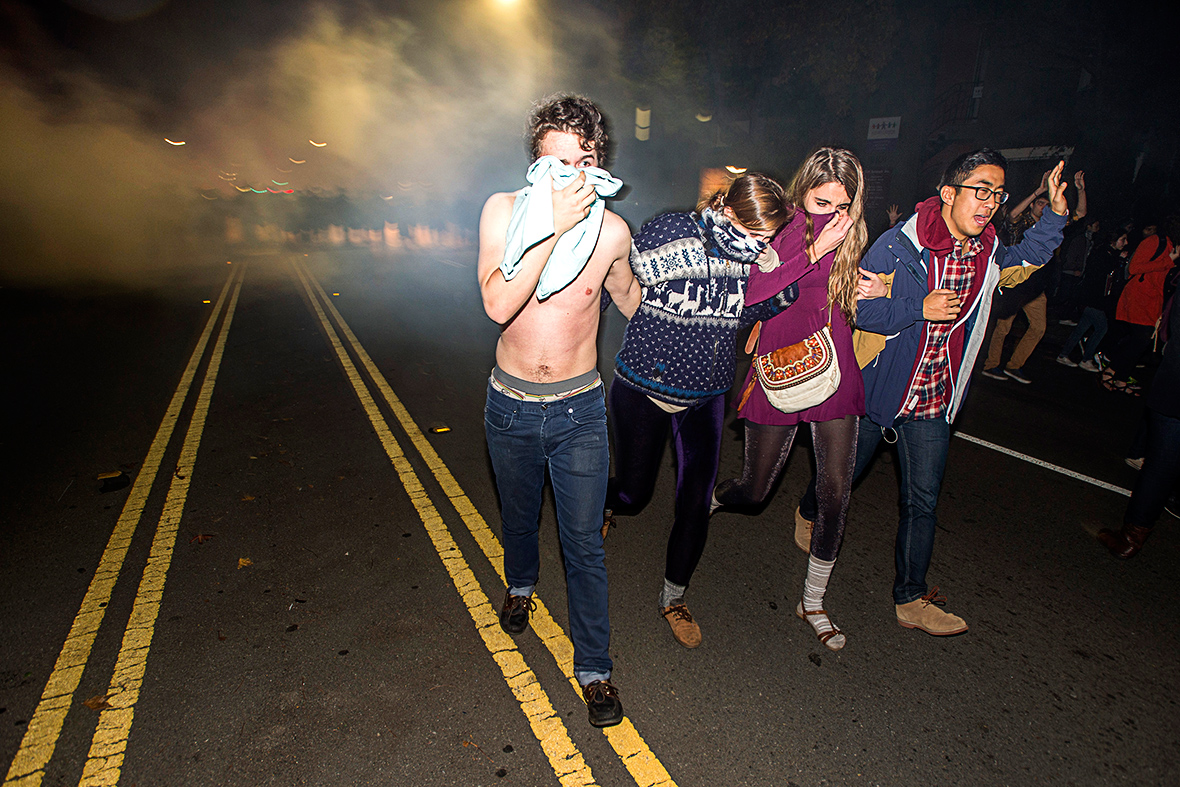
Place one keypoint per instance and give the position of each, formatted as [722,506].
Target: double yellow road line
[547,726]
[114,727]
[108,746]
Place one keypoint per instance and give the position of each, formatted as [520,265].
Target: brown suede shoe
[924,614]
[608,521]
[684,628]
[803,531]
[1126,542]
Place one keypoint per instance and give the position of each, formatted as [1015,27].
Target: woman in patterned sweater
[679,358]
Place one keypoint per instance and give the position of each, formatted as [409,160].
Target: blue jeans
[1091,318]
[568,437]
[921,449]
[1158,479]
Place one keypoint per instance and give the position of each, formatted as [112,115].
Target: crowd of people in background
[1116,288]
[1111,284]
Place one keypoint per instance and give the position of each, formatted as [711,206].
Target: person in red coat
[1139,309]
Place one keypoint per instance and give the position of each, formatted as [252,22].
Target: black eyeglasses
[983,193]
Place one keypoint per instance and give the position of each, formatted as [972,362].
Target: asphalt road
[298,586]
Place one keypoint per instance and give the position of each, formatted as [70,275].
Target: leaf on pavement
[97,703]
[200,538]
[243,562]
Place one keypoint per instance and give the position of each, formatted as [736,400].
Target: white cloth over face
[532,223]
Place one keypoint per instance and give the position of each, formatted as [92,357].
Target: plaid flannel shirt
[927,397]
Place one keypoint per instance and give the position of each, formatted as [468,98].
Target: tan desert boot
[925,614]
[802,531]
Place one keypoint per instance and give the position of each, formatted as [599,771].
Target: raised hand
[941,306]
[894,213]
[572,204]
[1041,189]
[1057,189]
[1079,180]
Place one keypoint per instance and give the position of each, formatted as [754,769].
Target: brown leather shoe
[1126,542]
[602,702]
[684,628]
[924,614]
[803,531]
[514,615]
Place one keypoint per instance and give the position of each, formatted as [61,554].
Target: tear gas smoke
[428,111]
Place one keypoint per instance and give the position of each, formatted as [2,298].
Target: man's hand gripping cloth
[532,222]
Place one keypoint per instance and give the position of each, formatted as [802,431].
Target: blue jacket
[891,332]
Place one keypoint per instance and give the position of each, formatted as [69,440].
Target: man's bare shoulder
[500,202]
[615,231]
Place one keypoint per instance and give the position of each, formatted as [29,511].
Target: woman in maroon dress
[827,195]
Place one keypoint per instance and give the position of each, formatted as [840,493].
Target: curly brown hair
[573,114]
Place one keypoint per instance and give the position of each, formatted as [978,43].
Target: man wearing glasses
[917,345]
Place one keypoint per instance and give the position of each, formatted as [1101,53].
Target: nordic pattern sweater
[680,345]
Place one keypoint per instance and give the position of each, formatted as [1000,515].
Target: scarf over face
[731,243]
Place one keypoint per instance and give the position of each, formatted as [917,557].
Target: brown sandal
[803,614]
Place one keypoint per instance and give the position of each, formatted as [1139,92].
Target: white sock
[671,592]
[814,588]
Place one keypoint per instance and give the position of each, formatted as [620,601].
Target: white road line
[1046,465]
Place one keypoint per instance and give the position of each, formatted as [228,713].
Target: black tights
[641,435]
[835,457]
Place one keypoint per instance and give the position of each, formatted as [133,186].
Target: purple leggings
[640,430]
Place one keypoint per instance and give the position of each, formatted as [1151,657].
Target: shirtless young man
[545,406]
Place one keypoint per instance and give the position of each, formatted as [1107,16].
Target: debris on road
[97,703]
[112,482]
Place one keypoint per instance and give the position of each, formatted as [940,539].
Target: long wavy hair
[757,201]
[836,165]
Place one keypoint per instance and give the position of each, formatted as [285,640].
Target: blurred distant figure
[1101,284]
[1139,309]
[1029,296]
[545,404]
[1158,478]
[1074,252]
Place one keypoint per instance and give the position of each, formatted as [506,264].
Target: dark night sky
[423,96]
